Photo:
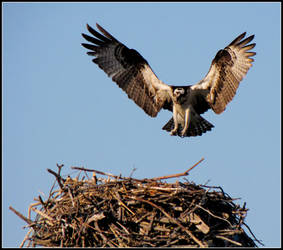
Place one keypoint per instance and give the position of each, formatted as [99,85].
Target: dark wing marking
[128,69]
[228,68]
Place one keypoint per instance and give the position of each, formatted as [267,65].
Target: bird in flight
[132,74]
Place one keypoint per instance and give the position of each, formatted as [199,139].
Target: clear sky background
[59,107]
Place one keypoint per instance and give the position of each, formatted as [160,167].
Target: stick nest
[127,212]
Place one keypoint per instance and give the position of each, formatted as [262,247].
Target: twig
[21,216]
[227,239]
[118,198]
[150,223]
[132,172]
[26,238]
[253,234]
[177,175]
[49,219]
[32,205]
[215,216]
[107,174]
[59,168]
[71,196]
[58,177]
[143,180]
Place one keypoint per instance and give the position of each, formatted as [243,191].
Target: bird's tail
[197,126]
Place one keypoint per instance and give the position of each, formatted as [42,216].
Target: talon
[173,132]
[183,132]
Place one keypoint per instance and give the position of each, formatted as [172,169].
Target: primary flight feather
[133,74]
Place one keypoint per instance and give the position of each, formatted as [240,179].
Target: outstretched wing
[228,68]
[128,69]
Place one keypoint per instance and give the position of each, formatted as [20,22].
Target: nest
[127,212]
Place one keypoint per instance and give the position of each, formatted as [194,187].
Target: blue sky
[59,107]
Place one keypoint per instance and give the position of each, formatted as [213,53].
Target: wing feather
[128,69]
[227,69]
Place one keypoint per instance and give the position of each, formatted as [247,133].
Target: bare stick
[107,174]
[58,177]
[253,234]
[26,238]
[143,180]
[177,175]
[227,239]
[213,215]
[49,219]
[21,216]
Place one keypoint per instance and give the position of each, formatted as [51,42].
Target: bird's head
[178,91]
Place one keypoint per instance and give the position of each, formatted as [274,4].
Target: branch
[107,174]
[58,177]
[143,180]
[253,234]
[177,175]
[21,216]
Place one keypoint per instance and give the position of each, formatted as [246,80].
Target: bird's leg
[187,121]
[174,131]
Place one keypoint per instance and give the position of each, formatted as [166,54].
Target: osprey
[133,74]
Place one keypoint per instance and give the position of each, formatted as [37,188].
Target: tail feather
[197,127]
[169,125]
